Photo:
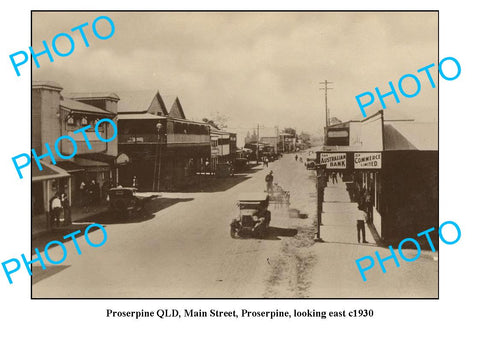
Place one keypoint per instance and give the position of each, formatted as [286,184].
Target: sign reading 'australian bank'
[367,160]
[336,160]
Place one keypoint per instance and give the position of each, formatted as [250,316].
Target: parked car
[125,201]
[310,164]
[224,170]
[240,164]
[253,218]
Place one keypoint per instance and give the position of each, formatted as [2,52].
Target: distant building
[287,142]
[334,121]
[272,142]
[223,146]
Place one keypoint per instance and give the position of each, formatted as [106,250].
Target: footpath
[339,216]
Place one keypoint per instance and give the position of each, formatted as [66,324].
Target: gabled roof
[73,105]
[176,111]
[139,116]
[141,101]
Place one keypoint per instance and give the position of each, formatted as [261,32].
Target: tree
[210,122]
[304,136]
[290,131]
[218,121]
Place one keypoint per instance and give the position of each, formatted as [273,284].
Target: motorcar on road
[310,164]
[126,201]
[253,218]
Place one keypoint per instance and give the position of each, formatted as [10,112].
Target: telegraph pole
[326,88]
[258,140]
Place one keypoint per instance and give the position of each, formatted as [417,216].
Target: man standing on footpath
[361,220]
[56,210]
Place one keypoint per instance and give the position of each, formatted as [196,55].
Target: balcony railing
[179,138]
[141,139]
[67,148]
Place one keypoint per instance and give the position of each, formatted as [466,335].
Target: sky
[254,68]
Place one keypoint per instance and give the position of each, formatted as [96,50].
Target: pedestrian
[269,181]
[67,213]
[83,194]
[266,161]
[369,205]
[134,181]
[91,193]
[56,210]
[361,220]
[362,197]
[334,177]
[296,157]
[207,167]
[105,188]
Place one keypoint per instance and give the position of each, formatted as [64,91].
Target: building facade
[54,115]
[165,150]
[392,162]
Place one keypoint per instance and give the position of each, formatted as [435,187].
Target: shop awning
[49,171]
[70,167]
[94,159]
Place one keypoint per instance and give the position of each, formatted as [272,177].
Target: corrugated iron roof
[140,116]
[49,171]
[90,95]
[79,106]
[136,101]
[410,135]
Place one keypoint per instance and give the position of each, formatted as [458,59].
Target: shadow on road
[146,214]
[38,274]
[273,233]
[351,243]
[104,218]
[215,184]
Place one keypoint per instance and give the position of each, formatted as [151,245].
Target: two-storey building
[55,115]
[165,149]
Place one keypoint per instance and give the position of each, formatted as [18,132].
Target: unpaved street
[184,249]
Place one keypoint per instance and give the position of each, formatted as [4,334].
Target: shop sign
[336,160]
[337,133]
[367,160]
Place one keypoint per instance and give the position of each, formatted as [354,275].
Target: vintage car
[125,201]
[310,164]
[224,170]
[240,164]
[253,218]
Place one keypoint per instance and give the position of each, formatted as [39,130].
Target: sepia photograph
[234,155]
